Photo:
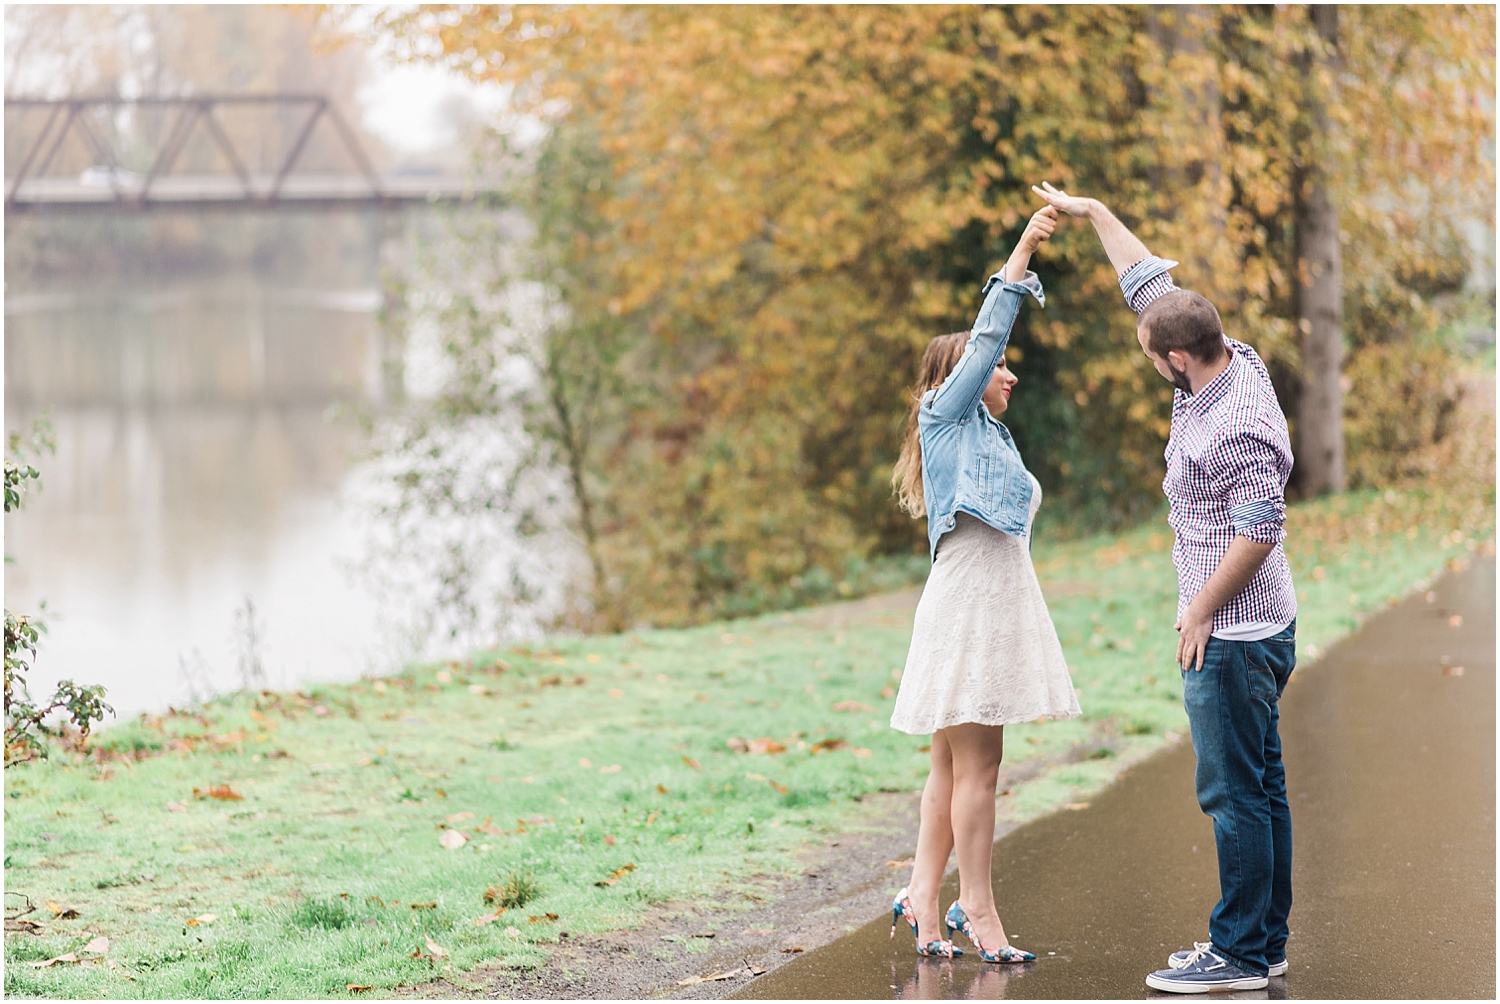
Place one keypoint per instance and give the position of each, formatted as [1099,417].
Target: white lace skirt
[983,648]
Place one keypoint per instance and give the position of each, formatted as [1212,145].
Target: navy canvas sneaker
[1179,959]
[1203,971]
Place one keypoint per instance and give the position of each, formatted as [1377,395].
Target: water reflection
[200,457]
[153,527]
[941,979]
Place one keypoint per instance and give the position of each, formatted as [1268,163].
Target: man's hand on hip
[1235,570]
[1193,631]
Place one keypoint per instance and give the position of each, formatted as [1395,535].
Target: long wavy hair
[942,354]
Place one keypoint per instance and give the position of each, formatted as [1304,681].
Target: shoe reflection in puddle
[930,979]
[938,979]
[989,983]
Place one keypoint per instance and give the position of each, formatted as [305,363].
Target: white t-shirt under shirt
[1253,631]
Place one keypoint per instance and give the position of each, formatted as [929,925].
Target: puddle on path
[1391,772]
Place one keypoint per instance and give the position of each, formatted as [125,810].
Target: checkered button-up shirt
[1228,460]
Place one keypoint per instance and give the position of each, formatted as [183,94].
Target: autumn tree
[786,203]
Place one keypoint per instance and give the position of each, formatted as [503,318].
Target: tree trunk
[1320,282]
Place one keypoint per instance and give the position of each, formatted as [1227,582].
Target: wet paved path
[1391,773]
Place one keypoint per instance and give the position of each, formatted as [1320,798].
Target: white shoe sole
[1184,987]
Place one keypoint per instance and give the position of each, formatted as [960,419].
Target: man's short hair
[1183,321]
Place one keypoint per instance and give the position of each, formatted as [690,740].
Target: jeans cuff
[1247,967]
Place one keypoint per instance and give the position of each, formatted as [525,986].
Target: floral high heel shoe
[957,920]
[902,908]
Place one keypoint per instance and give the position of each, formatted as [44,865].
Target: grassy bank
[605,771]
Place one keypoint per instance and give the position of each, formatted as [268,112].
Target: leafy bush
[1402,404]
[26,725]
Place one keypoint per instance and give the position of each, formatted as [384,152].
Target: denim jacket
[969,461]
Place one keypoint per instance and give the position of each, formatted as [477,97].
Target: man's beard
[1180,379]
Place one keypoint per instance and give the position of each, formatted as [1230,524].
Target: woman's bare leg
[934,843]
[976,751]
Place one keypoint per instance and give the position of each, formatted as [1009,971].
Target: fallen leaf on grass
[98,946]
[691,762]
[438,951]
[357,987]
[458,817]
[765,744]
[792,951]
[176,807]
[222,792]
[203,920]
[860,751]
[609,839]
[737,744]
[781,788]
[661,790]
[429,905]
[613,768]
[1076,806]
[452,839]
[489,827]
[1453,671]
[63,912]
[902,864]
[851,706]
[66,957]
[585,763]
[827,746]
[262,719]
[489,918]
[1035,741]
[619,873]
[546,918]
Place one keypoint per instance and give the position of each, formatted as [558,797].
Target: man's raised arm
[1143,276]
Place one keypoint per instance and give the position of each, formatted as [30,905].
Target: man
[1228,460]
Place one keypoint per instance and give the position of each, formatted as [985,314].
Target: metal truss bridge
[71,155]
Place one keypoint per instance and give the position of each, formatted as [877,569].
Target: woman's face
[997,394]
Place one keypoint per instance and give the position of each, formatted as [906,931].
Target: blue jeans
[1233,708]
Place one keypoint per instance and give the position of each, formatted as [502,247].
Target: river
[204,396]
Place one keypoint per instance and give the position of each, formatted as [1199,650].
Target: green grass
[577,759]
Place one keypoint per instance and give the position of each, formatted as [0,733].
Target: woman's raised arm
[960,393]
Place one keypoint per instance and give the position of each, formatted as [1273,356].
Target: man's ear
[1177,360]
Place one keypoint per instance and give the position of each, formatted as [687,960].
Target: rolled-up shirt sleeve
[1249,477]
[1146,280]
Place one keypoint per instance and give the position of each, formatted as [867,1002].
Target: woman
[984,653]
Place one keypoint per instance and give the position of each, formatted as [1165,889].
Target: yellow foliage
[799,197]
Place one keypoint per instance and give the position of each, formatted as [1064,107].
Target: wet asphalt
[1390,757]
